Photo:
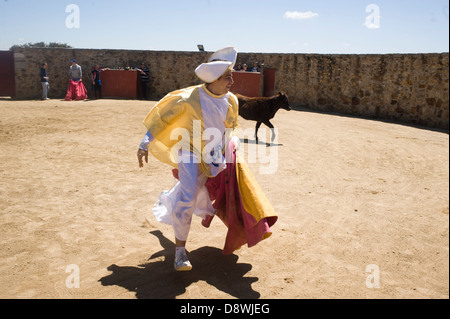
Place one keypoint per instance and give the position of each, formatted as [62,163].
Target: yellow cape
[255,201]
[176,121]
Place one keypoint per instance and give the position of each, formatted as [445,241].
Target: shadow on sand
[253,141]
[158,279]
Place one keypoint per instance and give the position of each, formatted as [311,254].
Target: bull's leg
[258,124]
[271,128]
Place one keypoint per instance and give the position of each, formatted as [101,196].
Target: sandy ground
[363,210]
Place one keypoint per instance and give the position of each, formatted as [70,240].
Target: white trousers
[189,196]
[45,89]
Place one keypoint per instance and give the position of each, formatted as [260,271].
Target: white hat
[217,64]
[226,54]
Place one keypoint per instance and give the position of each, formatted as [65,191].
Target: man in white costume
[206,118]
[181,201]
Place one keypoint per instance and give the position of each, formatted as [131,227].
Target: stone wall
[409,88]
[169,70]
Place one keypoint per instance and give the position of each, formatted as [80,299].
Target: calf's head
[282,101]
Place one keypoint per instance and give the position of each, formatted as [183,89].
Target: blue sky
[273,26]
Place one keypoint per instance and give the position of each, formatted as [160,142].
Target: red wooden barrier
[247,83]
[269,82]
[120,83]
[7,82]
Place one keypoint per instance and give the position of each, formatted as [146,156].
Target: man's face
[225,81]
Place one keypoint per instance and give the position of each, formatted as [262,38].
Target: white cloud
[298,15]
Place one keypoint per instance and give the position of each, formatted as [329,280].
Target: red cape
[243,228]
[76,91]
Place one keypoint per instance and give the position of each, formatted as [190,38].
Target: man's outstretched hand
[142,154]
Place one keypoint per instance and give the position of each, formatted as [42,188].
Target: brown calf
[262,109]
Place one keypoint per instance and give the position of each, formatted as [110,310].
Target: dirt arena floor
[363,209]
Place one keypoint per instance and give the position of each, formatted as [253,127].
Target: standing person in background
[96,83]
[239,67]
[256,67]
[75,72]
[76,89]
[44,81]
[144,79]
